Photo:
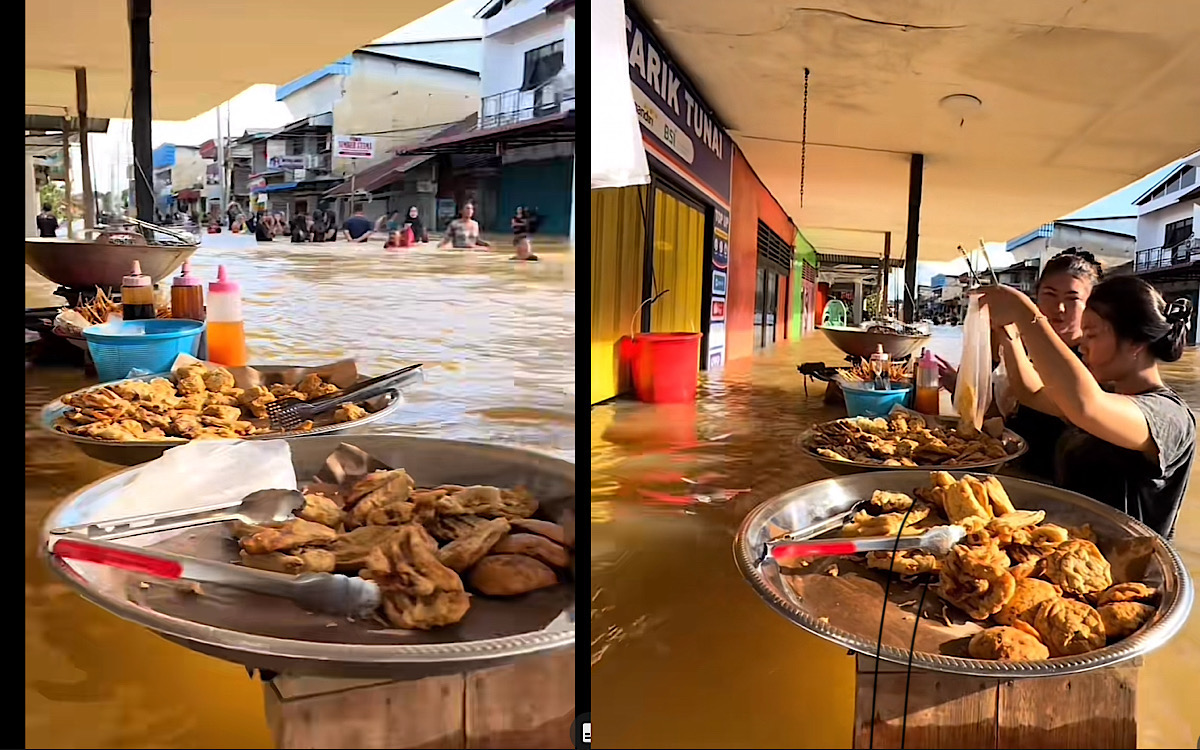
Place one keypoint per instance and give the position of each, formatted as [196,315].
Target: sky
[254,108]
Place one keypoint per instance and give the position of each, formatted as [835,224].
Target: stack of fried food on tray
[1040,590]
[424,547]
[198,402]
[906,439]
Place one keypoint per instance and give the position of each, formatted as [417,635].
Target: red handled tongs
[937,541]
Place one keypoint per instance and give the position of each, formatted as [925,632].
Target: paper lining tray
[141,451]
[266,632]
[1014,443]
[846,608]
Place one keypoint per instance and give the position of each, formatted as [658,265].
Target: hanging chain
[804,137]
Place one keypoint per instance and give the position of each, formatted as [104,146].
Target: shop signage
[256,183]
[295,161]
[716,345]
[718,311]
[720,255]
[353,147]
[719,283]
[672,113]
[212,174]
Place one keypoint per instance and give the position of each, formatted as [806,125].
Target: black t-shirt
[357,226]
[1150,490]
[47,225]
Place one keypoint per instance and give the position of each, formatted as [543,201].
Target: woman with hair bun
[1131,442]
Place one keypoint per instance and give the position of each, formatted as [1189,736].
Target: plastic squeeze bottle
[187,295]
[928,396]
[137,295]
[880,368]
[226,331]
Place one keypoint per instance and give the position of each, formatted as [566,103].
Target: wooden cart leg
[1093,709]
[526,704]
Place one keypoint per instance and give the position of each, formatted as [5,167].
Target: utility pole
[223,205]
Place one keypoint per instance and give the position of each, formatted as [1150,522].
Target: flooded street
[684,653]
[498,342]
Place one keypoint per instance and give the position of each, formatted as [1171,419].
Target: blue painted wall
[164,156]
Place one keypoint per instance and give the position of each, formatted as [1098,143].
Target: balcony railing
[1159,258]
[511,107]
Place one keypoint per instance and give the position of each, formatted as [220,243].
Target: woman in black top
[413,222]
[1131,443]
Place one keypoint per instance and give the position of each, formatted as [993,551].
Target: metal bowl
[142,451]
[860,343]
[77,264]
[846,609]
[269,633]
[1014,443]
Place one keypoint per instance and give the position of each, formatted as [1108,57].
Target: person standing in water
[413,222]
[463,232]
[358,227]
[47,222]
[521,229]
[1131,440]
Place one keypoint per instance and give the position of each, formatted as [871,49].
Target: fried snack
[1003,527]
[1069,627]
[1078,568]
[418,591]
[905,562]
[888,502]
[537,547]
[902,440]
[1127,592]
[1030,593]
[964,501]
[998,497]
[1122,619]
[976,580]
[470,548]
[489,502]
[510,575]
[310,560]
[1007,644]
[350,550]
[449,528]
[395,484]
[289,535]
[888,524]
[202,403]
[320,509]
[551,531]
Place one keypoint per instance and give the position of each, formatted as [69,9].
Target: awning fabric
[276,188]
[618,156]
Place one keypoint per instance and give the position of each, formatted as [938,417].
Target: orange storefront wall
[751,202]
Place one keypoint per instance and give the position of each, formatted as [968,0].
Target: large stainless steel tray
[134,453]
[1014,443]
[860,343]
[846,608]
[263,632]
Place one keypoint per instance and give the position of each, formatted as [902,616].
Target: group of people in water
[1082,362]
[463,233]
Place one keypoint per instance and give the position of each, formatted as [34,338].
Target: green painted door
[544,185]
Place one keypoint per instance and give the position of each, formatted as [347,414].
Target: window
[541,65]
[1187,177]
[1176,232]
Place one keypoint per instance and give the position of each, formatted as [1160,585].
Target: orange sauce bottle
[226,331]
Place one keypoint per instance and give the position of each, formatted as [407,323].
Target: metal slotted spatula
[318,592]
[289,413]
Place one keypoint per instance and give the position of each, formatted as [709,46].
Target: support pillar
[143,151]
[89,193]
[856,308]
[916,177]
[886,275]
[33,203]
[572,239]
[66,149]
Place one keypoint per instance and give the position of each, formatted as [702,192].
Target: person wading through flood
[463,232]
[300,227]
[521,228]
[413,223]
[47,222]
[1132,440]
[358,227]
[1062,293]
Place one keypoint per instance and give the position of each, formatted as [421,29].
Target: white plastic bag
[205,473]
[973,391]
[1002,392]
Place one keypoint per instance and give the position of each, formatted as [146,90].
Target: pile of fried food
[1040,590]
[419,545]
[905,439]
[199,402]
[102,306]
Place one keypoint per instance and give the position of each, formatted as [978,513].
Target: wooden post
[89,193]
[529,703]
[140,98]
[1093,709]
[916,180]
[66,149]
[883,282]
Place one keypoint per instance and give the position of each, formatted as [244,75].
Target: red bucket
[666,367]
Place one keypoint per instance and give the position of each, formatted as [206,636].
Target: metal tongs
[936,541]
[976,282]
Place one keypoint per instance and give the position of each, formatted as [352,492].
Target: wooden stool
[529,703]
[1092,709]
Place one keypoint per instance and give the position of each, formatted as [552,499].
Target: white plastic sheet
[618,156]
[973,391]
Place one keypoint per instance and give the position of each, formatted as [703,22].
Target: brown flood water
[684,653]
[498,342]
